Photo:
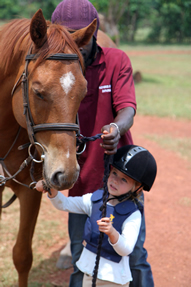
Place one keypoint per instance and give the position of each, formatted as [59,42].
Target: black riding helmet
[138,163]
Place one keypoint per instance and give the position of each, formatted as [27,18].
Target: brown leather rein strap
[10,201]
[58,57]
[56,127]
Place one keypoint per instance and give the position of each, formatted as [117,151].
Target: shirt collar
[99,59]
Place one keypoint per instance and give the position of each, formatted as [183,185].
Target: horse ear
[38,29]
[84,35]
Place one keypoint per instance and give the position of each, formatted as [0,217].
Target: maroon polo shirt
[110,89]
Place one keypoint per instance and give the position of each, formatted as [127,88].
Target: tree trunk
[110,28]
[133,26]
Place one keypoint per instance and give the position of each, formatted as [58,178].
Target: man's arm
[111,134]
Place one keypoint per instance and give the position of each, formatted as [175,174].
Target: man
[109,107]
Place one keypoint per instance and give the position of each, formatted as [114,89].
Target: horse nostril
[61,180]
[57,178]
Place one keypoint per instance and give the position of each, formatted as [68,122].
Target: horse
[42,85]
[104,40]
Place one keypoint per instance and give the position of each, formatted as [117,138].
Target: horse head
[55,88]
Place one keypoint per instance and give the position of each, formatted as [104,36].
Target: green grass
[180,146]
[165,89]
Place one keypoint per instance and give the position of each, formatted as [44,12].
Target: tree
[172,20]
[169,20]
[112,11]
[10,9]
[133,17]
[123,16]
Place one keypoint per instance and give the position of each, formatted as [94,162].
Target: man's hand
[112,133]
[110,138]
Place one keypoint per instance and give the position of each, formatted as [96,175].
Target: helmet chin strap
[126,195]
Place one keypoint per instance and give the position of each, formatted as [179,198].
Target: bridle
[32,128]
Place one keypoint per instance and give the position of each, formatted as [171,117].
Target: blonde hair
[134,196]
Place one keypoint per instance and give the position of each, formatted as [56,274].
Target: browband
[58,56]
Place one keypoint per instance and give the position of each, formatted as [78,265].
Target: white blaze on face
[67,81]
[68,154]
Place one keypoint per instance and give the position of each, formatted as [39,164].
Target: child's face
[119,183]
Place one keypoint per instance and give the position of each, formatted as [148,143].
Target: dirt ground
[167,206]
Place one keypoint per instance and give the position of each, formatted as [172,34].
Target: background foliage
[164,20]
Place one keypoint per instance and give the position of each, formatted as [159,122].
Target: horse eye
[38,94]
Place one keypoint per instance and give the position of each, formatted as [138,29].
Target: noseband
[32,128]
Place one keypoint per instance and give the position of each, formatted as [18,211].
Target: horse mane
[12,34]
[15,42]
[58,39]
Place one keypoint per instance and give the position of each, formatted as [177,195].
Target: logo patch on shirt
[105,88]
[111,218]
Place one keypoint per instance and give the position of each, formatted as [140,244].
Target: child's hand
[106,227]
[40,187]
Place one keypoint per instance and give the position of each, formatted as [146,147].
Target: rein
[25,163]
[107,162]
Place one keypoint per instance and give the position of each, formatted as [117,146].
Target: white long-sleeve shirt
[118,273]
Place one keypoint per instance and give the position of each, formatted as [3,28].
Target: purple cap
[75,14]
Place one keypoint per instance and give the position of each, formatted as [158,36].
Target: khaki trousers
[87,282]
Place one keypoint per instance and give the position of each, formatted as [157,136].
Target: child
[133,170]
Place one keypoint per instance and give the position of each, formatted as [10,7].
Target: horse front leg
[1,189]
[1,200]
[22,251]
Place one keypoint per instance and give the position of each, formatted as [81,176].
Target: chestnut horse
[104,40]
[42,85]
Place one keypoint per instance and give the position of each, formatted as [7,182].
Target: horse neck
[7,119]
[8,79]
[8,123]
